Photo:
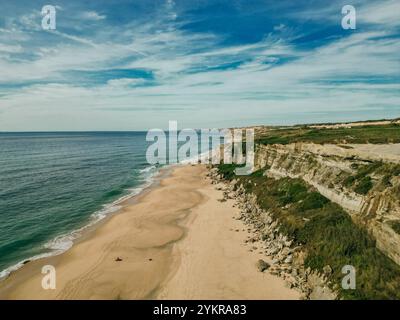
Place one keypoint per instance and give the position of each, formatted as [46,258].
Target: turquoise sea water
[52,184]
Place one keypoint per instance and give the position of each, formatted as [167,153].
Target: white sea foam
[18,265]
[64,242]
[148,169]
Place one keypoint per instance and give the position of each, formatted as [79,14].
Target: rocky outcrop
[286,259]
[325,166]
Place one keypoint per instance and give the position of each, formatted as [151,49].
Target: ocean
[54,185]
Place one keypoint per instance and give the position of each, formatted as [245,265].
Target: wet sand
[176,241]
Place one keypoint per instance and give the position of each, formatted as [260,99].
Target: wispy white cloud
[92,15]
[10,48]
[124,82]
[279,27]
[384,13]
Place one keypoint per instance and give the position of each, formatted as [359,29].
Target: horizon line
[257,125]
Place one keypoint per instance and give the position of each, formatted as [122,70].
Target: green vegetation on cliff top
[377,134]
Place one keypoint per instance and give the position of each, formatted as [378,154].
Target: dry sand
[176,241]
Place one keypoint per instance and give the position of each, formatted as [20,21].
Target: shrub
[227,171]
[364,185]
[368,169]
[396,171]
[348,182]
[291,191]
[258,173]
[386,181]
[313,200]
[395,226]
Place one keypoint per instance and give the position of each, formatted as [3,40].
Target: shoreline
[95,220]
[158,246]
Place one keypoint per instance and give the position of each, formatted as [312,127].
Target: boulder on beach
[262,265]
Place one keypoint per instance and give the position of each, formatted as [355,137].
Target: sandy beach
[176,241]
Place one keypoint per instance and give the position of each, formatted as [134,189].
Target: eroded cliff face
[326,167]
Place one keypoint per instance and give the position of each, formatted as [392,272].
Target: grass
[326,232]
[386,181]
[227,171]
[364,185]
[362,182]
[313,200]
[290,192]
[395,226]
[258,173]
[378,134]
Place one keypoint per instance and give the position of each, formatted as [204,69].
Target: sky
[137,64]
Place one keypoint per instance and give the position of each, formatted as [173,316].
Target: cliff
[364,179]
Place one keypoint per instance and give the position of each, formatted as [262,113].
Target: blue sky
[134,65]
